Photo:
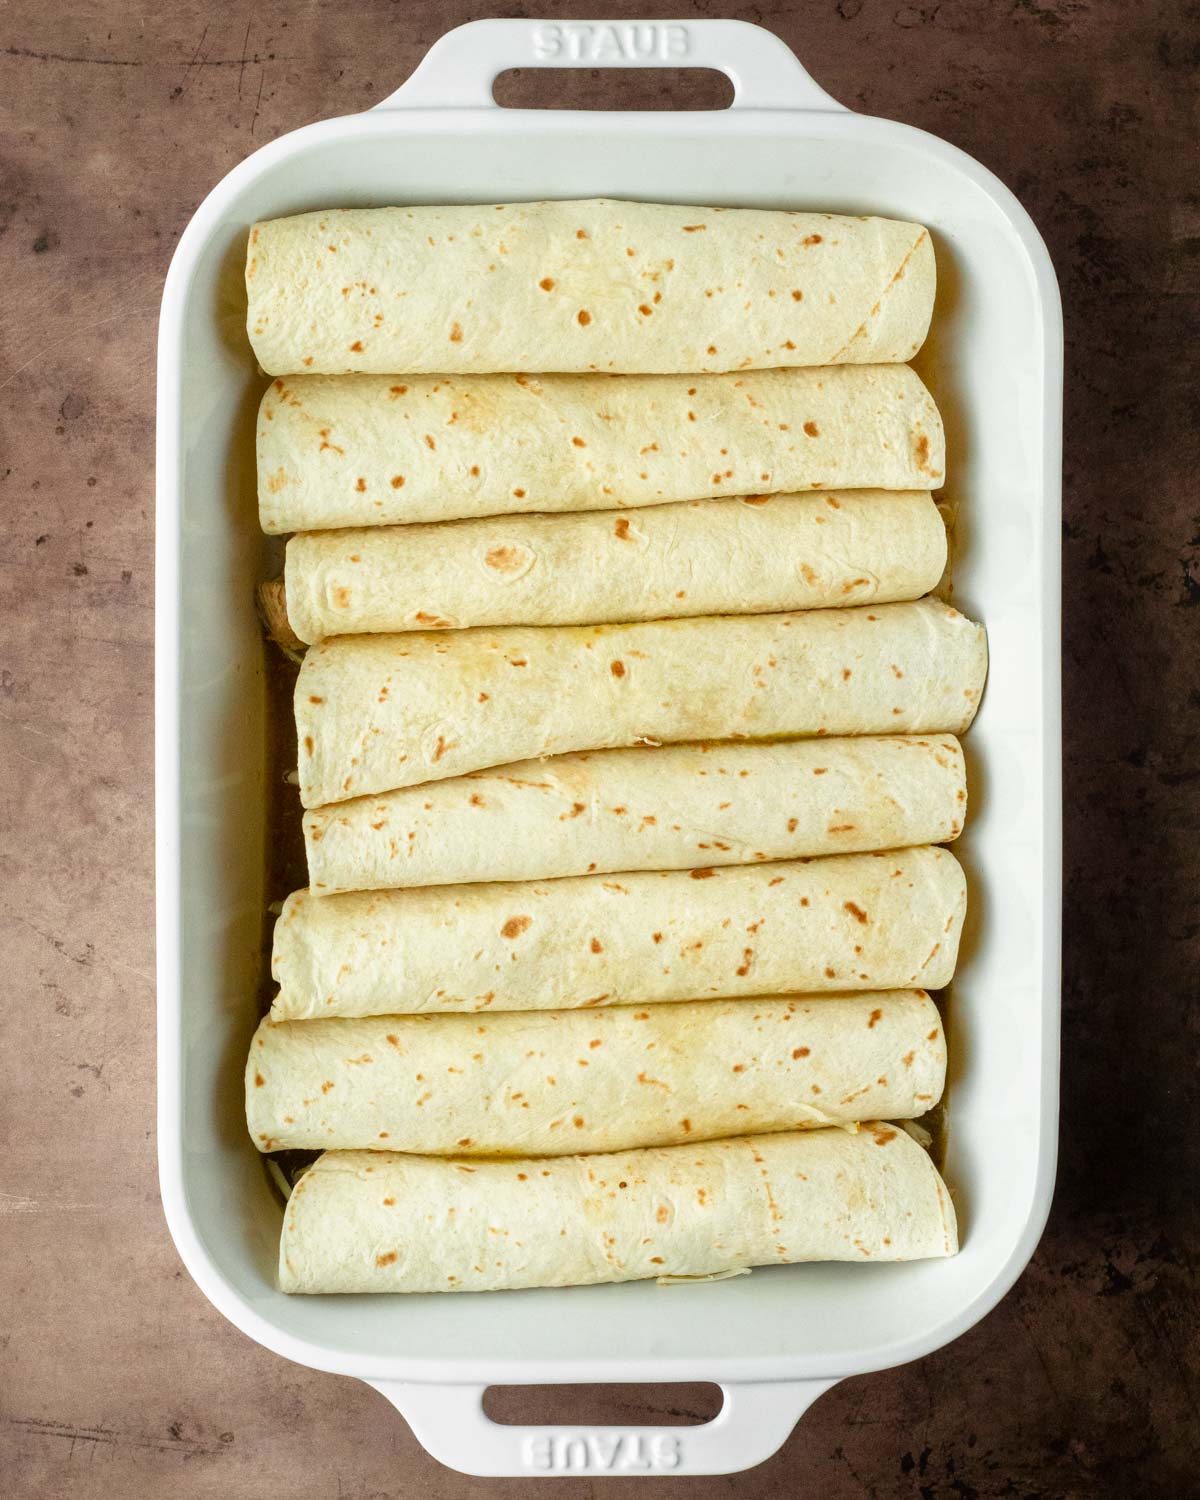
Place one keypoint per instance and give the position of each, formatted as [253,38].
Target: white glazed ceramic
[774,1340]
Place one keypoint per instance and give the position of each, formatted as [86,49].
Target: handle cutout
[682,89]
[682,1405]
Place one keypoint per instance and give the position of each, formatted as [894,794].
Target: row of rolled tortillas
[375,712]
[752,555]
[453,296]
[385,451]
[545,1083]
[677,807]
[854,921]
[596,284]
[379,1221]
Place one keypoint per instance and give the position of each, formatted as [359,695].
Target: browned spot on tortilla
[389,1203]
[883,1135]
[356,347]
[876,1015]
[703,874]
[456,333]
[476,800]
[657,936]
[397,481]
[386,1260]
[259,1080]
[596,945]
[617,668]
[504,559]
[657,1082]
[921,453]
[812,239]
[441,747]
[515,926]
[841,828]
[812,429]
[434,622]
[797,296]
[360,484]
[621,528]
[396,390]
[576,809]
[308,743]
[798,1052]
[547,283]
[855,911]
[583,317]
[520,494]
[327,1085]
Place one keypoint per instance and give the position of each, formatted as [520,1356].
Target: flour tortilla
[851,922]
[382,1222]
[374,712]
[591,285]
[685,807]
[769,553]
[382,451]
[547,1083]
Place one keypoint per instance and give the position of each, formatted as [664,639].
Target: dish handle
[460,68]
[450,1424]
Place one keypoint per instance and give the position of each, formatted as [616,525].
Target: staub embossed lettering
[629,42]
[613,1453]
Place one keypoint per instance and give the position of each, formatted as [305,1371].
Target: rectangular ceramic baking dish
[778,1338]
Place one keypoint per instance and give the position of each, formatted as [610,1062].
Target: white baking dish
[775,1340]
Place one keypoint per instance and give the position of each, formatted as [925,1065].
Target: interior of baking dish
[993,364]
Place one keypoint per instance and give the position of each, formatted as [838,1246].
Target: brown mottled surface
[117,1379]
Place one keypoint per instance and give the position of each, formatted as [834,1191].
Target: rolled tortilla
[384,711]
[546,1083]
[382,1222]
[746,556]
[591,285]
[372,451]
[649,809]
[851,922]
